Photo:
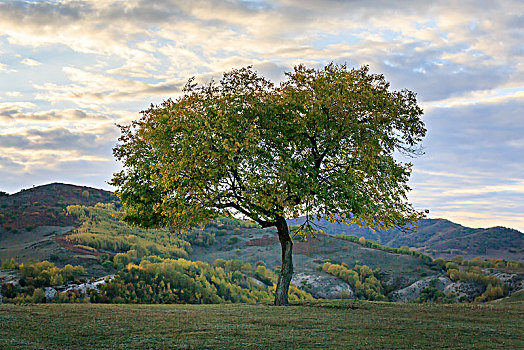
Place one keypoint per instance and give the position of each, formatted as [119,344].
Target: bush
[432,295]
[108,265]
[232,240]
[120,260]
[35,276]
[363,280]
[264,275]
[183,281]
[10,265]
[39,296]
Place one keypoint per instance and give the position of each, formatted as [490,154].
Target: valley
[328,262]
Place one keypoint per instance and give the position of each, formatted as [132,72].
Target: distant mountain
[440,238]
[45,205]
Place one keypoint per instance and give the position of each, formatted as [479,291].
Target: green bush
[35,276]
[232,240]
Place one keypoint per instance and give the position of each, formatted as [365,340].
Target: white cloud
[107,60]
[30,62]
[3,68]
[13,93]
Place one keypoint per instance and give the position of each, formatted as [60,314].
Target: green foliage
[39,296]
[492,292]
[321,143]
[37,275]
[232,240]
[491,263]
[183,281]
[121,259]
[364,281]
[202,238]
[101,230]
[451,266]
[433,295]
[42,273]
[440,262]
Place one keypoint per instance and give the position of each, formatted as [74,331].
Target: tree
[320,144]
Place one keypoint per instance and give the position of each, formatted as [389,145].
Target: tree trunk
[286,270]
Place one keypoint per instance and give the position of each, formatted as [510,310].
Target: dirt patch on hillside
[64,243]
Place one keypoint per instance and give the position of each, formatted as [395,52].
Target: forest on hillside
[152,266]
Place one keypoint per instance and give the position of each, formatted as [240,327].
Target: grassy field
[327,324]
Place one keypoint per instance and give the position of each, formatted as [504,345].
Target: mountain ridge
[439,238]
[45,206]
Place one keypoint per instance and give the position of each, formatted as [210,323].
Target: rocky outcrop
[84,288]
[413,291]
[514,281]
[464,290]
[50,293]
[321,285]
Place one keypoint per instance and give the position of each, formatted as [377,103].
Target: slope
[33,221]
[440,238]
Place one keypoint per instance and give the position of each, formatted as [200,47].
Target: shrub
[232,240]
[108,265]
[10,265]
[39,296]
[364,280]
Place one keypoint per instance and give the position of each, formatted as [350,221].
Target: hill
[33,220]
[91,236]
[440,238]
[326,266]
[100,237]
[45,205]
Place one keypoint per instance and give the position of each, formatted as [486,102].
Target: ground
[319,324]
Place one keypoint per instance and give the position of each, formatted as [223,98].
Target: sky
[71,70]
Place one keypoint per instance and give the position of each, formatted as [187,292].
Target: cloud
[3,68]
[30,62]
[57,139]
[13,93]
[88,89]
[18,113]
[473,155]
[107,60]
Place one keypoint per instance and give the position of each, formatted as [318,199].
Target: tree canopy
[320,144]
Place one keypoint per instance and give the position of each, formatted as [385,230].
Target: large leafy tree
[320,144]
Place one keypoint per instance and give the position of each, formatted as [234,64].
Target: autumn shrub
[364,281]
[10,265]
